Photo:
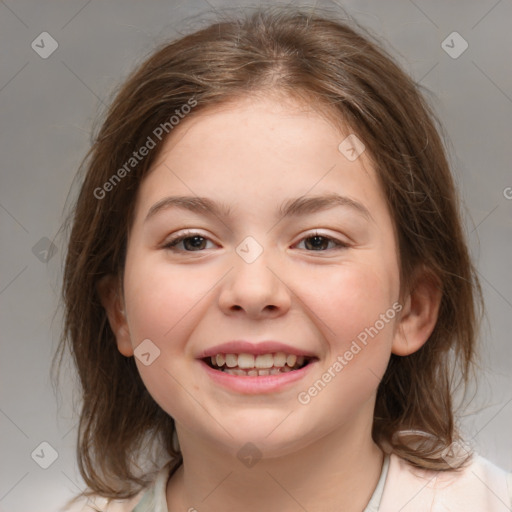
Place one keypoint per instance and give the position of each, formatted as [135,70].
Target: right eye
[190,239]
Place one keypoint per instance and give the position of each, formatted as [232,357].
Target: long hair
[330,64]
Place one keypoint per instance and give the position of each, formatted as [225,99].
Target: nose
[258,289]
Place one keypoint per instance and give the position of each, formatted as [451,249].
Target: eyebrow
[294,207]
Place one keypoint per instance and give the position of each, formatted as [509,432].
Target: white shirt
[155,501]
[479,487]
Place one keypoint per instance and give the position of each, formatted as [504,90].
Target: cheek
[160,299]
[358,313]
[163,305]
[152,309]
[351,299]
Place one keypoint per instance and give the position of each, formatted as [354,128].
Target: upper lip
[256,348]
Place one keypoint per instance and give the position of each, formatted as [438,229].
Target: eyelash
[171,244]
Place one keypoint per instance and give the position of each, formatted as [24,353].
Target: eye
[318,242]
[193,240]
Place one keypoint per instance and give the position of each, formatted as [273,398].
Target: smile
[250,365]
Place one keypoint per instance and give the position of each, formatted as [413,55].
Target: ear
[419,314]
[111,299]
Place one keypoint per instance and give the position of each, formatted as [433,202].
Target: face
[295,297]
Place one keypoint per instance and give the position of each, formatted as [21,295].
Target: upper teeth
[262,361]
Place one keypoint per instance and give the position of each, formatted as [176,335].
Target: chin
[271,436]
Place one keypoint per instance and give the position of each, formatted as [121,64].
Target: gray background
[47,109]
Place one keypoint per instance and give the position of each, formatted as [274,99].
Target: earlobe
[111,300]
[419,314]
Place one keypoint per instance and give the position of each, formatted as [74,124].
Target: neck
[336,472]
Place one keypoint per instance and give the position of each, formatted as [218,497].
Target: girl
[268,290]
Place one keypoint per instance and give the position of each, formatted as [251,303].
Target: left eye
[319,242]
[194,242]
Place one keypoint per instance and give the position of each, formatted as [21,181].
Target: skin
[253,155]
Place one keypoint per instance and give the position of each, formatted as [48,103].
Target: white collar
[154,499]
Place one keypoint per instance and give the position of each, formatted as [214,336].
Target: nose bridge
[254,284]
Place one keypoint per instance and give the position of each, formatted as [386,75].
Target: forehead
[261,148]
[275,124]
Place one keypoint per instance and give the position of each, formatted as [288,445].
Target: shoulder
[148,499]
[98,503]
[480,485]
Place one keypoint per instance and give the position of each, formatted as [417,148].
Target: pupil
[197,241]
[322,241]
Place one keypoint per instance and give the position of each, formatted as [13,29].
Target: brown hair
[330,64]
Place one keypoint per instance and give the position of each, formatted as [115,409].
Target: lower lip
[254,385]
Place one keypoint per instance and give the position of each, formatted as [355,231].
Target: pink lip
[255,385]
[245,347]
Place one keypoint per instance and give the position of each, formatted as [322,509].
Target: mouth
[250,365]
